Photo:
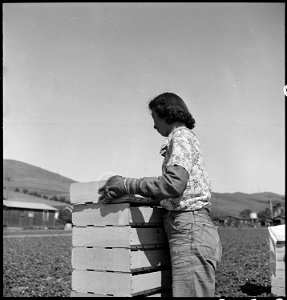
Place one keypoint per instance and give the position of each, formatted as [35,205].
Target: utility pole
[7,187]
[9,178]
[271,207]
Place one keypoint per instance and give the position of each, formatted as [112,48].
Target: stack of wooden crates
[277,259]
[119,249]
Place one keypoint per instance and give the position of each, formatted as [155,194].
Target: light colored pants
[195,248]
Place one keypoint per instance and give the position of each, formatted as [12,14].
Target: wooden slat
[100,215]
[114,259]
[102,282]
[86,192]
[101,236]
[280,251]
[165,293]
[277,281]
[278,291]
[112,236]
[280,266]
[277,233]
[115,214]
[280,273]
[119,284]
[78,294]
[147,281]
[118,259]
[144,215]
[147,236]
[157,292]
[280,256]
[150,258]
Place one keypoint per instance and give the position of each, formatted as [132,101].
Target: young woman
[184,191]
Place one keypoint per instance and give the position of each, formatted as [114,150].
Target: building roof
[28,205]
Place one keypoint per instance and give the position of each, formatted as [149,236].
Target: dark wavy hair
[172,109]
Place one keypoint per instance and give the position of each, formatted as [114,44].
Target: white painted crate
[118,249]
[277,259]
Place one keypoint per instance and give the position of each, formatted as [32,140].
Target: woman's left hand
[114,188]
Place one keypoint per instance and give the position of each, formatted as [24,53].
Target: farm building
[28,214]
[278,220]
[218,221]
[233,221]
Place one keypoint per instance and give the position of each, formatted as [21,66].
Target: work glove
[116,187]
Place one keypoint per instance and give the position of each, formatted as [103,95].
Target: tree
[245,213]
[65,216]
[34,193]
[62,199]
[277,210]
[264,214]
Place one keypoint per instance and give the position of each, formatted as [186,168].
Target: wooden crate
[118,249]
[277,259]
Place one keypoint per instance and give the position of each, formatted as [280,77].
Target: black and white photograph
[144,149]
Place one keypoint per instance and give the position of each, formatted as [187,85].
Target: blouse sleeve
[170,184]
[180,151]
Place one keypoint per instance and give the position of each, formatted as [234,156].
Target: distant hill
[21,175]
[224,204]
[21,197]
[24,176]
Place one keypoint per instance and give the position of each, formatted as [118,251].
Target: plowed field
[41,266]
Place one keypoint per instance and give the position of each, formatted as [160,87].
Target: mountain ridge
[21,175]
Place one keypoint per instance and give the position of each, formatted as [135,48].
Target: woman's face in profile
[160,124]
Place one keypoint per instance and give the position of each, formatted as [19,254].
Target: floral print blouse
[182,148]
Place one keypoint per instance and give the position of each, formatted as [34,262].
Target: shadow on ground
[254,289]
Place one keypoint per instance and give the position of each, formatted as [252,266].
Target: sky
[78,77]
